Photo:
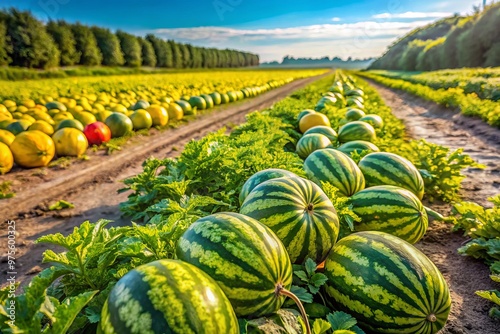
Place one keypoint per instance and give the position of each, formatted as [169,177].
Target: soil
[423,119]
[92,187]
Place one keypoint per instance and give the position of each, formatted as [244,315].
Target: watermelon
[392,210]
[387,284]
[305,112]
[310,143]
[388,168]
[243,256]
[324,130]
[259,177]
[167,296]
[375,120]
[353,114]
[216,97]
[358,146]
[186,107]
[335,167]
[354,92]
[208,99]
[300,214]
[119,124]
[356,130]
[224,98]
[55,105]
[198,102]
[355,103]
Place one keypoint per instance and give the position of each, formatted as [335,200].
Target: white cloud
[412,15]
[370,29]
[336,19]
[358,39]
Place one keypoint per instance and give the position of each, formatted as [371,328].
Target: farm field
[468,311]
[234,167]
[78,112]
[472,91]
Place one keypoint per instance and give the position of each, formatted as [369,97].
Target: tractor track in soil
[92,186]
[465,275]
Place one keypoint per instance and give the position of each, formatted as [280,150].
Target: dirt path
[464,275]
[92,185]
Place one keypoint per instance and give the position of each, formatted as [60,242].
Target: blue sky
[273,29]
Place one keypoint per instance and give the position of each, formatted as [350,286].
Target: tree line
[455,42]
[27,42]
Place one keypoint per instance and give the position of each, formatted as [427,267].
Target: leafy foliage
[217,165]
[452,42]
[468,104]
[483,227]
[440,168]
[493,296]
[35,307]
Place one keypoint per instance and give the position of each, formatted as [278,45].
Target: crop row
[483,82]
[468,104]
[174,200]
[67,123]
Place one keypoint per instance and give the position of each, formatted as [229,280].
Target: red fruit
[97,133]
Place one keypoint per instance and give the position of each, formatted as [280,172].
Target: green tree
[86,45]
[196,56]
[131,49]
[62,35]
[186,56]
[109,44]
[163,51]
[177,61]
[4,44]
[486,30]
[470,52]
[428,59]
[30,44]
[448,57]
[408,60]
[147,53]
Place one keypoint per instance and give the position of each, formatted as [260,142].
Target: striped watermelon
[388,168]
[388,285]
[245,257]
[310,143]
[167,296]
[375,120]
[300,214]
[259,177]
[358,146]
[392,210]
[353,114]
[356,130]
[324,130]
[304,112]
[329,165]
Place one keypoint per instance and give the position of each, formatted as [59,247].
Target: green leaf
[491,295]
[67,311]
[302,294]
[61,204]
[310,266]
[302,275]
[340,320]
[318,279]
[320,326]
